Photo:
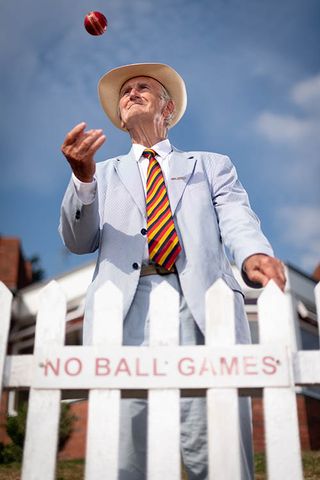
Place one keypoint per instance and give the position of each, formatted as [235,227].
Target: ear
[169,108]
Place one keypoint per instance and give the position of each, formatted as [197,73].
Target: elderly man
[161,214]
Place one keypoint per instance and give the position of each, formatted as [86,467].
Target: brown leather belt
[156,270]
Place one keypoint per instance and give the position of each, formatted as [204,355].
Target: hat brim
[110,84]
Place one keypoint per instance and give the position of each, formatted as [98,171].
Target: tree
[37,271]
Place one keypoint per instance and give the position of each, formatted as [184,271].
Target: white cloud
[291,129]
[286,129]
[306,94]
[309,261]
[300,227]
[295,139]
[301,222]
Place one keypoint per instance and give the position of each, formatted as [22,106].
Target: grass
[311,465]
[66,470]
[74,469]
[310,460]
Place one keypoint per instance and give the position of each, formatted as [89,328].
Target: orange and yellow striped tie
[163,241]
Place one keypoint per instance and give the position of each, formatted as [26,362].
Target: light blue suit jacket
[210,209]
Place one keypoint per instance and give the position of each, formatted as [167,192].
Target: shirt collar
[162,148]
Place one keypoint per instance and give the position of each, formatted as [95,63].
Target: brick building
[15,270]
[16,274]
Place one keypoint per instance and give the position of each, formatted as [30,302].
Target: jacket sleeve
[239,226]
[79,225]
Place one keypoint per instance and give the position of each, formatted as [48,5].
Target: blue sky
[252,70]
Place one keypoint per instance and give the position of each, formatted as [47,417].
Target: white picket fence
[220,369]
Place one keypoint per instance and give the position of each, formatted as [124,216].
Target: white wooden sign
[161,367]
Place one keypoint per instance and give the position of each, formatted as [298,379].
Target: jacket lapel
[181,168]
[128,171]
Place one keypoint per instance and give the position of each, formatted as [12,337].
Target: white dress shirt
[86,191]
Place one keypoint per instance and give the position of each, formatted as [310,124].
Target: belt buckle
[161,270]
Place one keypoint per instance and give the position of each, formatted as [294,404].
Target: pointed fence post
[222,403]
[280,406]
[104,405]
[317,297]
[164,405]
[41,441]
[5,316]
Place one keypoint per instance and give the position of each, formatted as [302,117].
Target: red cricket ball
[95,23]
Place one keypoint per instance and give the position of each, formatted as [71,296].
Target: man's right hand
[79,148]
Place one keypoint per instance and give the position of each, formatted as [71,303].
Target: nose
[134,94]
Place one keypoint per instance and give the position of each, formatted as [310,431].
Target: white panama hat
[110,84]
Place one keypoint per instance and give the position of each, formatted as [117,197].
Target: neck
[147,135]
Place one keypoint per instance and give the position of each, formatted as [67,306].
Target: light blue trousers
[133,421]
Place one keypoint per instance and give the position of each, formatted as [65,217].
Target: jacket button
[135,265]
[143,231]
[78,214]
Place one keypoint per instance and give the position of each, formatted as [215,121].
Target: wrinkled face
[141,99]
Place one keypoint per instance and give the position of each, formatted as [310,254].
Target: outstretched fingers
[72,136]
[85,144]
[97,143]
[79,148]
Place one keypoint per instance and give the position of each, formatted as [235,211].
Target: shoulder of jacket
[211,161]
[210,156]
[109,163]
[203,155]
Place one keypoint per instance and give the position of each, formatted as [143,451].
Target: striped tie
[163,241]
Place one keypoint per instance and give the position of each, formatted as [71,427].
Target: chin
[134,118]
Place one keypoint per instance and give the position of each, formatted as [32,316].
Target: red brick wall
[258,427]
[76,444]
[309,423]
[3,418]
[309,417]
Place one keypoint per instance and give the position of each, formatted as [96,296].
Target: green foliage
[37,272]
[10,453]
[260,463]
[16,428]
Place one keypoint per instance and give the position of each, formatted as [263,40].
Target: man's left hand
[261,268]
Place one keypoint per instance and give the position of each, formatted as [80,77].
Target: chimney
[15,271]
[316,273]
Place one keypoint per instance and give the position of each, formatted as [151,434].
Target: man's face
[141,99]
